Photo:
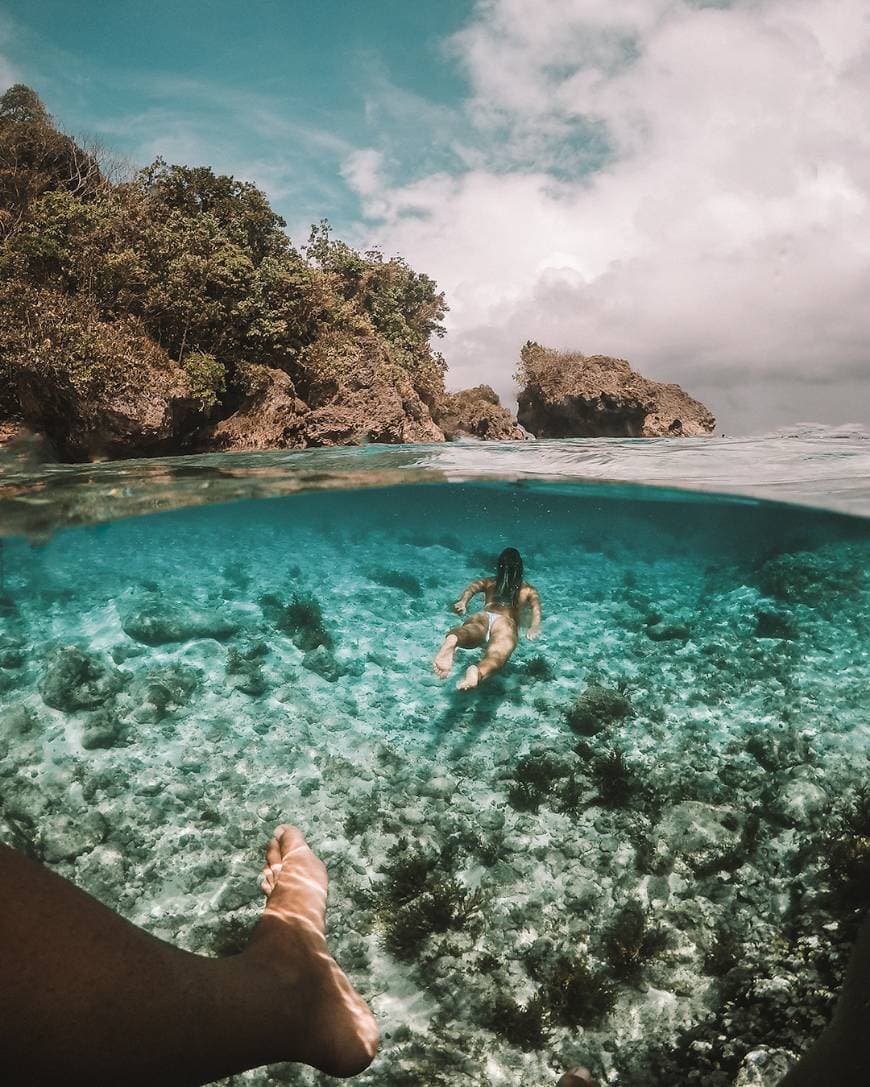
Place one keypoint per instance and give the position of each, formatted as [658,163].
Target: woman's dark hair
[508,576]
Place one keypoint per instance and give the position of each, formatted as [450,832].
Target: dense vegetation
[186,277]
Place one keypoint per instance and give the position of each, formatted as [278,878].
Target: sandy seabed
[639,847]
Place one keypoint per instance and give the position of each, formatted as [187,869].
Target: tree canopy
[200,263]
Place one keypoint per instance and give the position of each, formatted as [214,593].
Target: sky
[681,183]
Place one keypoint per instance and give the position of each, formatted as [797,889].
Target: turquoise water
[635,847]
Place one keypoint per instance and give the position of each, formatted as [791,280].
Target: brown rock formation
[369,408]
[568,395]
[270,415]
[98,388]
[364,402]
[478,413]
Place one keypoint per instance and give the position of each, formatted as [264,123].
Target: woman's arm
[473,589]
[533,602]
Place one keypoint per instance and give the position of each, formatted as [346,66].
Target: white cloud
[362,171]
[725,241]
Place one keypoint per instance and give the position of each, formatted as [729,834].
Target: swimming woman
[506,596]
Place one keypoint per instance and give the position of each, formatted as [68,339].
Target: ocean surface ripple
[822,467]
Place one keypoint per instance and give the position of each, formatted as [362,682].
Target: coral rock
[270,415]
[65,837]
[161,623]
[101,729]
[478,413]
[568,395]
[75,680]
[701,833]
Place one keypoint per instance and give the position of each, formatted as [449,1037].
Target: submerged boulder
[245,671]
[16,721]
[159,691]
[321,661]
[596,708]
[704,835]
[65,837]
[160,622]
[812,577]
[569,395]
[101,729]
[76,680]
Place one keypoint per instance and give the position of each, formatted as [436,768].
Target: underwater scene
[642,845]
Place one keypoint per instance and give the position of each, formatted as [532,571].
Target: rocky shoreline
[169,313]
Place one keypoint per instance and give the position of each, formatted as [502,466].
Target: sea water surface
[642,846]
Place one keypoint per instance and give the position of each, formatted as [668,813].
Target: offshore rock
[569,395]
[478,413]
[365,405]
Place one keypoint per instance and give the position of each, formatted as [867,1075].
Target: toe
[274,851]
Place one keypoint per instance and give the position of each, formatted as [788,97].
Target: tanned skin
[504,633]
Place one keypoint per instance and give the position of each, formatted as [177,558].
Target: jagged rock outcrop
[368,407]
[569,395]
[270,415]
[478,413]
[97,388]
[368,404]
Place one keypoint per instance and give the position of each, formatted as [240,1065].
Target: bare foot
[578,1077]
[443,663]
[329,1024]
[470,679]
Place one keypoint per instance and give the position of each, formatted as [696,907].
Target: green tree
[36,158]
[199,265]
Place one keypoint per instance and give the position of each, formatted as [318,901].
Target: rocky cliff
[171,313]
[569,395]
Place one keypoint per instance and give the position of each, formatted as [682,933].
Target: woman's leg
[502,642]
[471,634]
[87,997]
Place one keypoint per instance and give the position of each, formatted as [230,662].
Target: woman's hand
[459,607]
[532,633]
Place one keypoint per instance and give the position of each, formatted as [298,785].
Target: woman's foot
[470,679]
[327,1020]
[443,663]
[578,1077]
